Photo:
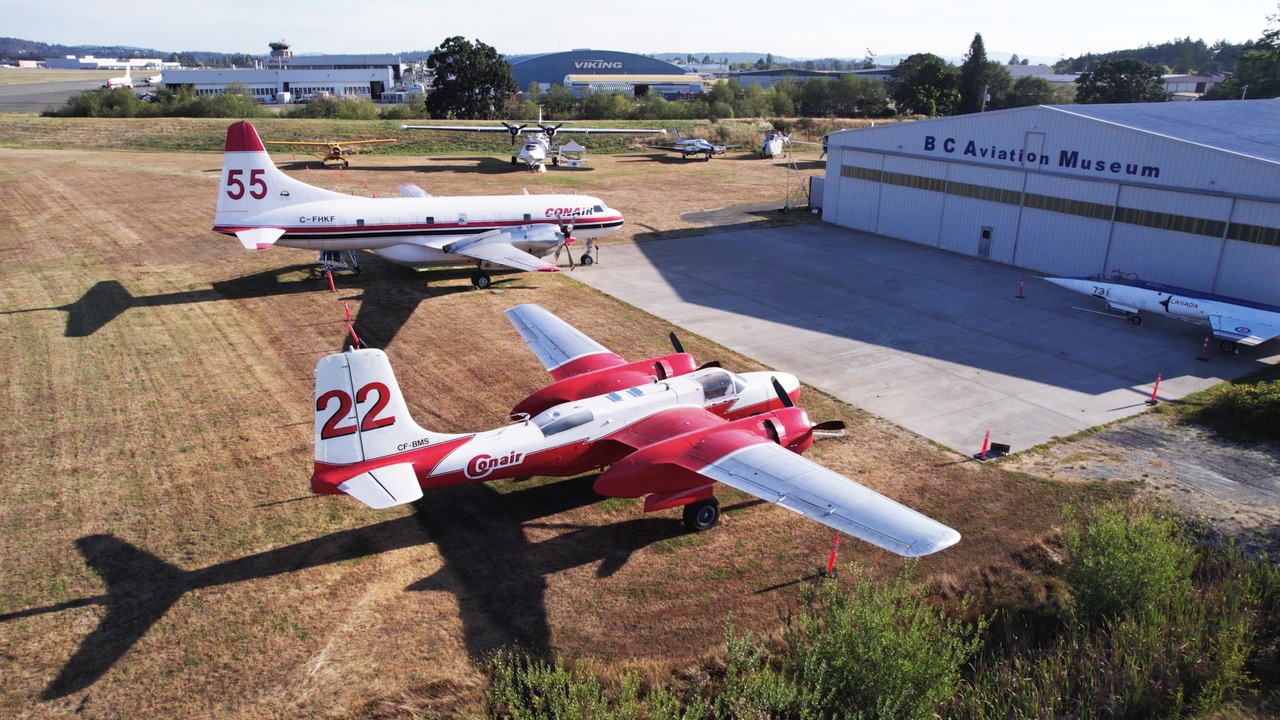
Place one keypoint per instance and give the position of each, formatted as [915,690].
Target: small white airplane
[775,142]
[693,146]
[262,207]
[125,80]
[668,438]
[154,79]
[1232,321]
[540,144]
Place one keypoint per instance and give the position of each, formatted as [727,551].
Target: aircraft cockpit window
[557,422]
[598,208]
[716,385]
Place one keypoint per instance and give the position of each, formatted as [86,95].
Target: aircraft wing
[412,191]
[365,142]
[618,131]
[556,343]
[495,247]
[673,148]
[1240,331]
[466,128]
[773,473]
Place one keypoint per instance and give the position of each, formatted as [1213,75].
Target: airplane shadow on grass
[496,574]
[389,296]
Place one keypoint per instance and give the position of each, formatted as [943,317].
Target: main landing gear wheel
[587,259]
[1136,320]
[702,515]
[555,161]
[515,160]
[1227,346]
[481,280]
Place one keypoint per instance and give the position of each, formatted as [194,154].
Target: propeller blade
[675,343]
[830,425]
[709,364]
[782,393]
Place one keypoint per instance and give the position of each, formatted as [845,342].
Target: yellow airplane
[330,152]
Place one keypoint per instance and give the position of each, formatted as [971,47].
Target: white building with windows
[1186,194]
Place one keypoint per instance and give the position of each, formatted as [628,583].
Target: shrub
[875,651]
[1244,411]
[1120,560]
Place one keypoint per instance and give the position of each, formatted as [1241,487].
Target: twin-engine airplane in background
[1232,321]
[693,146]
[330,152]
[125,80]
[539,145]
[666,429]
[262,207]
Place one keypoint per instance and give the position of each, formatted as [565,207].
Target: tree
[1031,90]
[924,84]
[1121,81]
[706,59]
[472,81]
[1013,59]
[1257,72]
[973,77]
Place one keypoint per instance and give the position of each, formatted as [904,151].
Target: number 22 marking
[371,420]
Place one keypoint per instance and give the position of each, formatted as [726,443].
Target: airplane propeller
[550,130]
[679,347]
[566,230]
[514,130]
[829,428]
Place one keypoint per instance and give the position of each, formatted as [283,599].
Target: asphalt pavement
[935,342]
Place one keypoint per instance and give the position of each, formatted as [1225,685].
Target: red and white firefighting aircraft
[262,207]
[666,429]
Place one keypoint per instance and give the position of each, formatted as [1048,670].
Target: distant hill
[18,49]
[1180,56]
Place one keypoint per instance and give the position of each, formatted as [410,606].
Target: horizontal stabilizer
[384,487]
[259,238]
[410,190]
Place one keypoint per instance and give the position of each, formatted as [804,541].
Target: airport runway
[37,97]
[933,341]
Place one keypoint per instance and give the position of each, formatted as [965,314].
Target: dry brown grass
[161,557]
[28,76]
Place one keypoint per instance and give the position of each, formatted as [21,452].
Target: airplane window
[557,422]
[715,385]
[598,208]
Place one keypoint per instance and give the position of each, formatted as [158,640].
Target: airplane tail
[251,184]
[676,134]
[361,425]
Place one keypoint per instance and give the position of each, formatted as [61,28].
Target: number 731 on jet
[666,429]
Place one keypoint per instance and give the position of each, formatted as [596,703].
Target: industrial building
[603,70]
[284,76]
[1186,194]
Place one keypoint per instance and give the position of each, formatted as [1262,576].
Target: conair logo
[570,212]
[597,65]
[481,465]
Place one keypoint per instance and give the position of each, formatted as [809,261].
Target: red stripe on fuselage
[410,228]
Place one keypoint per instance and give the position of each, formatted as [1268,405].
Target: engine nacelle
[605,380]
[673,464]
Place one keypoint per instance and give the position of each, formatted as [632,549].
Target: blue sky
[835,29]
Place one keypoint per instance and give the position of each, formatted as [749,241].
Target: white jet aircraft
[262,207]
[124,81]
[539,145]
[1233,321]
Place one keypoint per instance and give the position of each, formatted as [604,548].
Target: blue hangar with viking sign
[1182,193]
[604,70]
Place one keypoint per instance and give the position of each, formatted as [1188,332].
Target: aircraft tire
[702,515]
[1227,346]
[1136,320]
[514,160]
[481,280]
[555,161]
[586,260]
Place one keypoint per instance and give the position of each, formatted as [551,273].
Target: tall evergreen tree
[973,77]
[472,81]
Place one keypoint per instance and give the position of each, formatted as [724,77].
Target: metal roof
[1246,127]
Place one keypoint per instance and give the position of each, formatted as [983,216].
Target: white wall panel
[1180,259]
[1064,245]
[1250,271]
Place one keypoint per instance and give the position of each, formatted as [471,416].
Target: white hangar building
[1185,194]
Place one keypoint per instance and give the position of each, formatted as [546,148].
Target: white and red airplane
[262,207]
[125,80]
[538,147]
[666,430]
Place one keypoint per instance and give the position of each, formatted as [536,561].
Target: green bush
[1247,411]
[875,651]
[1120,560]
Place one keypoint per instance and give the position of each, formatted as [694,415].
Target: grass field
[27,76]
[161,555]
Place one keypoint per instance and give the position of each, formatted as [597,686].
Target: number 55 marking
[257,186]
